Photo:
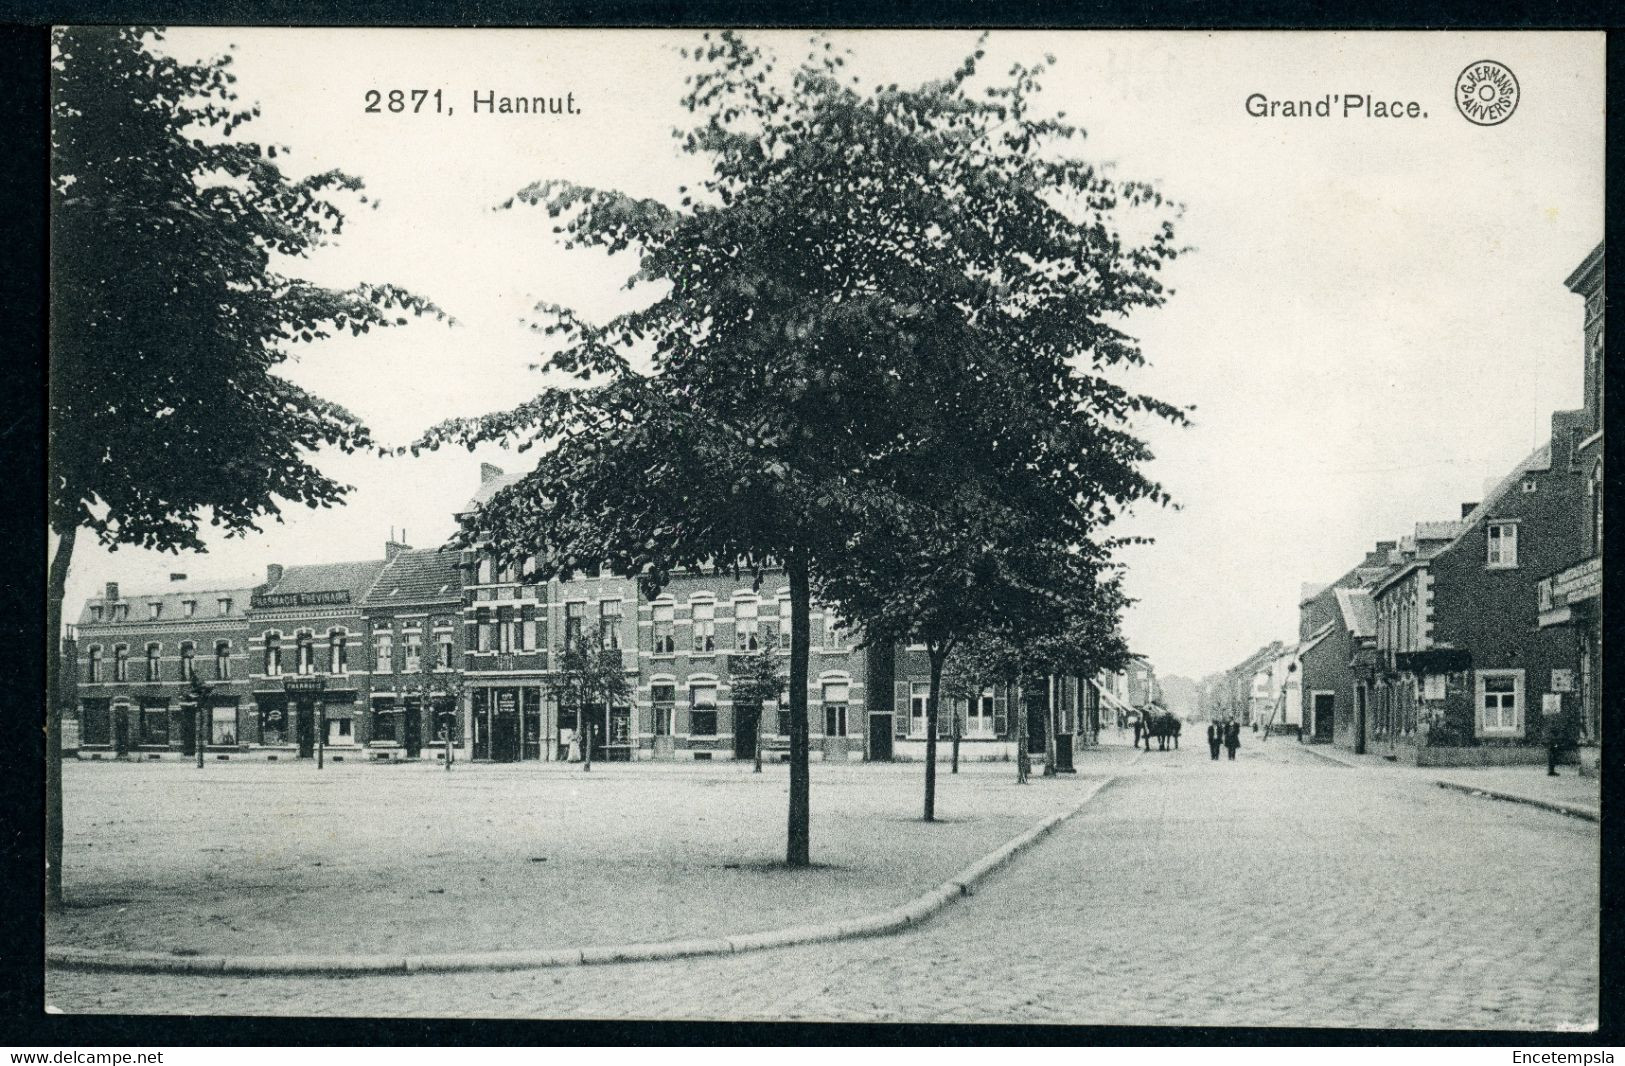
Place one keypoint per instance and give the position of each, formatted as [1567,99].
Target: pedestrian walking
[1215,739]
[1555,727]
[1176,728]
[1232,737]
[1137,721]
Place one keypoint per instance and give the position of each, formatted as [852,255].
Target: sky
[1371,322]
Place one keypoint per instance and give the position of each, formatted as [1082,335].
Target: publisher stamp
[1487,93]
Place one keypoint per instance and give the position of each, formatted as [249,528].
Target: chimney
[112,591]
[273,573]
[177,577]
[393,547]
[489,472]
[1467,509]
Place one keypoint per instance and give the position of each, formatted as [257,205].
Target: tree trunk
[798,843]
[56,589]
[931,736]
[1049,734]
[958,729]
[1024,762]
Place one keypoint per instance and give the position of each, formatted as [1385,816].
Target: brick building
[1336,624]
[1570,600]
[307,651]
[136,655]
[413,618]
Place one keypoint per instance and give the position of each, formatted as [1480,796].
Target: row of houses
[1470,639]
[423,651]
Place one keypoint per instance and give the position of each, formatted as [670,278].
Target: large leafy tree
[170,314]
[860,278]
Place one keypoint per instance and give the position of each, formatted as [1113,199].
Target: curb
[916,911]
[1333,759]
[1583,813]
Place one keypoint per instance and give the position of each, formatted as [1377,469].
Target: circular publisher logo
[1486,93]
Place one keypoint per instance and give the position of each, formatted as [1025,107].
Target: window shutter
[1001,715]
[900,709]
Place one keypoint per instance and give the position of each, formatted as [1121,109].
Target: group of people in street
[1223,734]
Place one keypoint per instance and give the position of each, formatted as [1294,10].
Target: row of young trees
[881,355]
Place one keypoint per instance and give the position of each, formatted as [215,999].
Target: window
[225,605]
[445,721]
[188,661]
[121,663]
[746,638]
[123,612]
[222,660]
[834,634]
[273,654]
[96,613]
[384,717]
[273,723]
[338,653]
[574,613]
[412,642]
[705,626]
[527,628]
[919,696]
[338,731]
[664,698]
[94,670]
[784,720]
[484,575]
[155,726]
[835,693]
[485,631]
[1503,544]
[152,662]
[609,624]
[384,643]
[305,652]
[223,725]
[189,608]
[702,715]
[1500,701]
[1530,485]
[444,647]
[979,715]
[156,611]
[665,641]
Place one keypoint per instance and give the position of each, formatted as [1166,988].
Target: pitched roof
[1359,613]
[1439,530]
[1539,459]
[172,597]
[419,576]
[355,578]
[488,489]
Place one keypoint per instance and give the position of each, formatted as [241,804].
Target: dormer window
[225,605]
[124,612]
[96,613]
[189,608]
[157,611]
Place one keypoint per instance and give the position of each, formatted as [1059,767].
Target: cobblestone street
[1280,889]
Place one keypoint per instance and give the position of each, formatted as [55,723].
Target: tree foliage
[589,673]
[837,323]
[171,311]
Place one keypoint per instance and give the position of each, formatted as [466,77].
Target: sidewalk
[1568,793]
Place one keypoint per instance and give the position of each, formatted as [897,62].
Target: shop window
[384,716]
[445,721]
[223,725]
[155,726]
[705,627]
[664,698]
[273,723]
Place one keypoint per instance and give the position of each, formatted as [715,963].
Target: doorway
[880,727]
[305,729]
[747,724]
[593,726]
[413,715]
[1325,715]
[188,716]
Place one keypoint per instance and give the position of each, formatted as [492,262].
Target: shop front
[509,725]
